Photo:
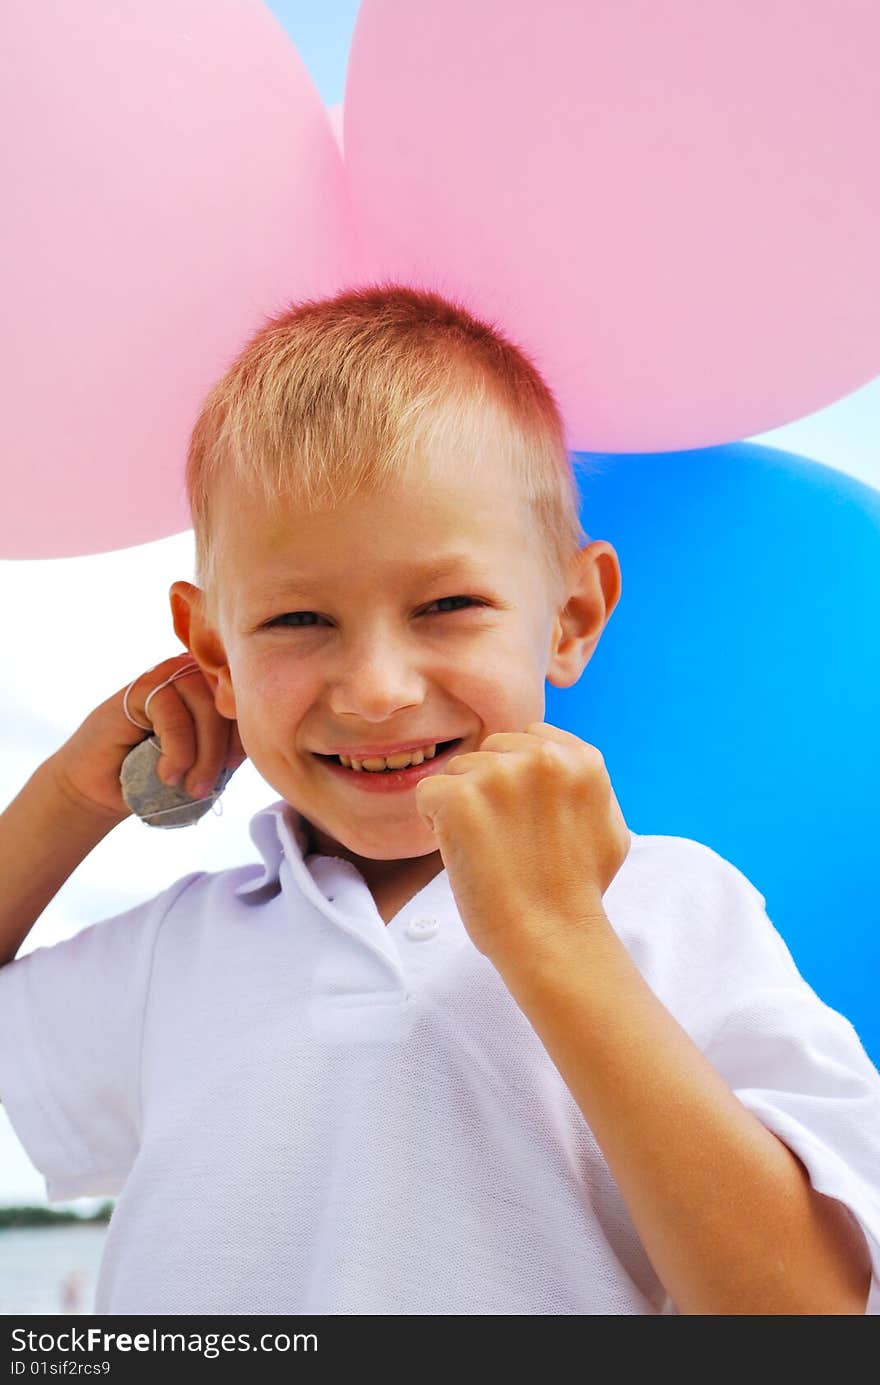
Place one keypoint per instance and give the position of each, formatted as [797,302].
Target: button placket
[339,892]
[421,927]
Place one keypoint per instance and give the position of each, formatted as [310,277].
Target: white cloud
[845,436]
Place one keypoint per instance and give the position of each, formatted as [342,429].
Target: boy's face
[333,634]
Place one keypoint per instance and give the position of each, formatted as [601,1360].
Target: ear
[182,596]
[203,642]
[594,592]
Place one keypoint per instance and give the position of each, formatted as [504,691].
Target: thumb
[427,801]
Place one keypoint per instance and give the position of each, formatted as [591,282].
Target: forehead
[420,523]
[460,495]
[371,548]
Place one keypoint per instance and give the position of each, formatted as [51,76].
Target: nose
[379,681]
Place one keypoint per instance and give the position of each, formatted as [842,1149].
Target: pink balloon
[674,207]
[334,115]
[170,179]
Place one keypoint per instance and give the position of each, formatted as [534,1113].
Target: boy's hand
[197,742]
[530,832]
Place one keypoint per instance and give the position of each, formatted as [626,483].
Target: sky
[75,631]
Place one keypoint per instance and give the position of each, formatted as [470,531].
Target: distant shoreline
[51,1216]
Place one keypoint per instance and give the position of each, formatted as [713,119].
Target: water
[49,1269]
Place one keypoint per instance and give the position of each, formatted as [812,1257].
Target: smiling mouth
[335,760]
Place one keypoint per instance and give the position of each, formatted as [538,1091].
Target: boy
[464,1044]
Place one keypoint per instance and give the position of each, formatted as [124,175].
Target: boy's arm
[44,835]
[725,1210]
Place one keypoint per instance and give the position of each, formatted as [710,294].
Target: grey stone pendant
[158,804]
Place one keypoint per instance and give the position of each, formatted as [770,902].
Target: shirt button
[423,926]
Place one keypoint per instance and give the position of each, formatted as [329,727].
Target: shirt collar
[280,828]
[281,832]
[273,829]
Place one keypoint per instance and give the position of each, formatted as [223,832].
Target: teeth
[399,761]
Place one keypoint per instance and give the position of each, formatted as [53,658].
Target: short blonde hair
[340,396]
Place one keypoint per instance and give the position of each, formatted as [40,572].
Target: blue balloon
[735,693]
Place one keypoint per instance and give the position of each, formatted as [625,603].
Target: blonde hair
[344,395]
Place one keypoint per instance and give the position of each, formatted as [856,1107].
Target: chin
[390,845]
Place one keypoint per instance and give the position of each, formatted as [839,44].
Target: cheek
[269,696]
[511,689]
[497,693]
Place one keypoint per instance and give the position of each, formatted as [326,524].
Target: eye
[290,615]
[471,601]
[278,619]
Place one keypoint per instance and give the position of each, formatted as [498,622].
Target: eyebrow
[427,573]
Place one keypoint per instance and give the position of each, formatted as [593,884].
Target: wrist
[53,778]
[549,943]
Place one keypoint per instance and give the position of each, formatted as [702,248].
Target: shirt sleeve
[71,1024]
[796,1063]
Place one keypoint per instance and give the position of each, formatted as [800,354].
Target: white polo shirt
[303,1110]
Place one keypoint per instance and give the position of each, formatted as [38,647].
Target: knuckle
[174,718]
[177,740]
[177,745]
[544,758]
[492,739]
[595,758]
